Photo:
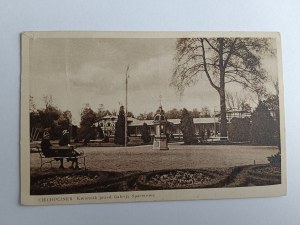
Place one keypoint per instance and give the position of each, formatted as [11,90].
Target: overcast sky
[79,71]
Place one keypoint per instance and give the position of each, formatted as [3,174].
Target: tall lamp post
[126,101]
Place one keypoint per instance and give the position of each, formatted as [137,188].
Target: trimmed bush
[239,130]
[187,127]
[145,133]
[120,128]
[275,160]
[263,126]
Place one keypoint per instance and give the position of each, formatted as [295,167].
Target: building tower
[160,137]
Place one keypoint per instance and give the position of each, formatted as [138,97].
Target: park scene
[135,114]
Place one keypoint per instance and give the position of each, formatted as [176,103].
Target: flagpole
[126,100]
[215,121]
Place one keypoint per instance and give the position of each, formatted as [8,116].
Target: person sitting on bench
[46,148]
[65,141]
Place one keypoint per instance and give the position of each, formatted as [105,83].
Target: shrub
[106,139]
[187,127]
[239,129]
[263,126]
[120,128]
[275,160]
[145,133]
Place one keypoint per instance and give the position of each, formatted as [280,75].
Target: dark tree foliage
[120,128]
[187,127]
[130,114]
[74,133]
[263,126]
[49,117]
[239,130]
[88,116]
[87,129]
[145,116]
[87,133]
[272,103]
[150,116]
[145,133]
[195,113]
[141,116]
[173,114]
[222,61]
[35,120]
[64,120]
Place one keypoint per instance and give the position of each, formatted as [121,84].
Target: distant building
[212,124]
[173,126]
[235,113]
[107,124]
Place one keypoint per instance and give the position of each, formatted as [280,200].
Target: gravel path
[143,158]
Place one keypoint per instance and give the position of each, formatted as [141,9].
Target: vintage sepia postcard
[151,116]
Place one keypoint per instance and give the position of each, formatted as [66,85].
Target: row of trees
[263,127]
[87,114]
[49,117]
[56,120]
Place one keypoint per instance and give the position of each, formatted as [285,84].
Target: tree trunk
[223,125]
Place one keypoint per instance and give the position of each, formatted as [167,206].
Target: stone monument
[160,137]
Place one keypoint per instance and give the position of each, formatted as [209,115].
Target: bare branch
[205,68]
[230,52]
[214,48]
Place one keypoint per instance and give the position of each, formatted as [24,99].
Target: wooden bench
[61,153]
[95,143]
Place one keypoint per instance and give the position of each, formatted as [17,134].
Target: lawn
[140,167]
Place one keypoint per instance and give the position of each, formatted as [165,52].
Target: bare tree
[236,101]
[195,113]
[222,61]
[31,104]
[205,112]
[48,100]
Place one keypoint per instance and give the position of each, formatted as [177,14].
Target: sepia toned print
[149,116]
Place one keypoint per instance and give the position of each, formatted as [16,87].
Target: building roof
[137,122]
[109,117]
[206,120]
[197,120]
[233,110]
[174,121]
